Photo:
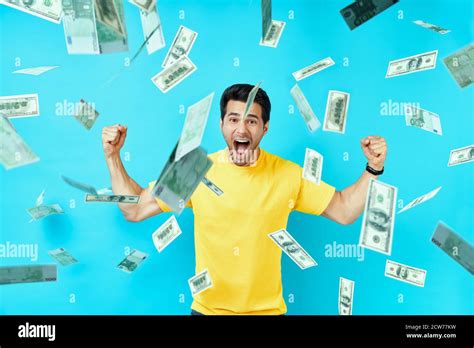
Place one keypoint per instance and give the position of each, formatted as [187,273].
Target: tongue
[241,147]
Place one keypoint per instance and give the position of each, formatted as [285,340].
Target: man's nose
[242,127]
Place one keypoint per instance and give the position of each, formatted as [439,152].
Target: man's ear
[265,127]
[221,123]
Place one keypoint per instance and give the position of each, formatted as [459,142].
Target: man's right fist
[113,138]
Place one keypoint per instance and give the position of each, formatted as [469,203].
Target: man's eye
[252,122]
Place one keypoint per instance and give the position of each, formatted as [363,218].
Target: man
[260,190]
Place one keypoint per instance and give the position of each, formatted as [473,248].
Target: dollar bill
[24,105]
[14,151]
[420,199]
[79,185]
[312,122]
[346,295]
[379,217]
[452,244]
[412,64]
[336,112]
[213,187]
[166,233]
[420,118]
[250,99]
[313,166]
[432,27]
[86,114]
[174,74]
[266,17]
[194,126]
[107,13]
[145,5]
[62,256]
[361,11]
[461,65]
[291,248]
[50,10]
[461,155]
[313,68]
[181,46]
[404,273]
[40,199]
[112,198]
[274,34]
[152,30]
[132,261]
[35,71]
[28,274]
[42,211]
[179,179]
[200,282]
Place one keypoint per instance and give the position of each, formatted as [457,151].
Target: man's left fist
[375,149]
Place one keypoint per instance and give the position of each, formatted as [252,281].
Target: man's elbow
[133,217]
[347,221]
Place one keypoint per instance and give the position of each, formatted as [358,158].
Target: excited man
[260,191]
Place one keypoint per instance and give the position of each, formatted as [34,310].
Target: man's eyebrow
[233,113]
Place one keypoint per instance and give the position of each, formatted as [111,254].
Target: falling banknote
[132,261]
[461,65]
[25,105]
[46,9]
[432,27]
[313,166]
[346,296]
[250,99]
[200,282]
[174,74]
[420,199]
[166,233]
[181,46]
[361,11]
[62,256]
[112,198]
[35,71]
[28,274]
[313,68]
[79,185]
[266,6]
[145,5]
[274,34]
[461,155]
[152,30]
[452,244]
[305,109]
[404,273]
[291,247]
[86,114]
[336,112]
[213,187]
[424,119]
[408,65]
[379,217]
[42,211]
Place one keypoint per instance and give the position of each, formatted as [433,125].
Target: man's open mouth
[241,145]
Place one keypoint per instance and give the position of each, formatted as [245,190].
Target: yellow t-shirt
[231,231]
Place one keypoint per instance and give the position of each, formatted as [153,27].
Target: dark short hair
[240,92]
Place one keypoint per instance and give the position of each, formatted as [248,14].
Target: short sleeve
[312,198]
[163,206]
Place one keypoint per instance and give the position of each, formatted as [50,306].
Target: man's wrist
[374,169]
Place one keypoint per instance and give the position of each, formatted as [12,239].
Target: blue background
[97,235]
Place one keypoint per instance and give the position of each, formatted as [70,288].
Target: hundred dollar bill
[50,10]
[404,273]
[35,71]
[336,112]
[461,65]
[361,11]
[145,5]
[132,261]
[305,109]
[273,35]
[346,295]
[79,185]
[24,105]
[28,274]
[408,65]
[166,233]
[152,30]
[62,256]
[461,155]
[194,126]
[250,99]
[313,166]
[212,186]
[112,198]
[291,248]
[266,17]
[174,74]
[424,119]
[14,151]
[42,211]
[433,27]
[379,217]
[420,199]
[452,244]
[86,114]
[181,46]
[200,282]
[313,68]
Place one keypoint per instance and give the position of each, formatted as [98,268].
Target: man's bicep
[148,206]
[334,207]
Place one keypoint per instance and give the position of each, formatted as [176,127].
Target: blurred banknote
[431,27]
[313,68]
[452,244]
[313,166]
[274,34]
[266,17]
[420,199]
[62,256]
[461,65]
[213,187]
[361,11]
[346,295]
[174,74]
[86,114]
[379,217]
[132,261]
[404,273]
[112,198]
[461,155]
[166,233]
[47,9]
[145,5]
[42,211]
[14,151]
[336,112]
[79,185]
[152,30]
[181,46]
[25,105]
[250,99]
[35,71]
[412,64]
[424,119]
[200,282]
[28,274]
[291,248]
[305,109]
